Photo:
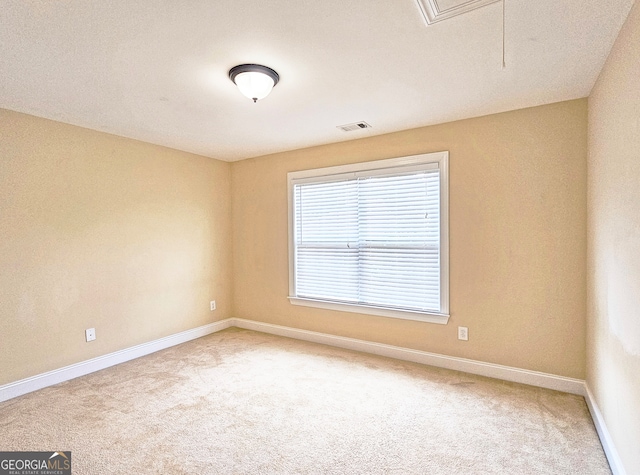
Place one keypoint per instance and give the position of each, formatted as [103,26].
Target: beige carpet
[245,402]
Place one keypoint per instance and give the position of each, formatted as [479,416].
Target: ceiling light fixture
[254,80]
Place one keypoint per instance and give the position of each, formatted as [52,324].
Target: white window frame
[437,159]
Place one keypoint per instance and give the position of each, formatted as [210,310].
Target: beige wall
[135,239]
[517,238]
[101,231]
[613,341]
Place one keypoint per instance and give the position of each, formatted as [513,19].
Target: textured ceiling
[156,70]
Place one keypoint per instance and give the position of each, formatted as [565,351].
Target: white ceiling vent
[438,10]
[355,126]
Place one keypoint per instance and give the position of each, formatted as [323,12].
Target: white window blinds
[370,237]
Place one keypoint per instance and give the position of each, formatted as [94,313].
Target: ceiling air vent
[355,126]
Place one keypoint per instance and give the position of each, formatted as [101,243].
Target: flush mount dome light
[254,80]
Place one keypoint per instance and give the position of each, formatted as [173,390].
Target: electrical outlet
[212,305]
[463,333]
[90,334]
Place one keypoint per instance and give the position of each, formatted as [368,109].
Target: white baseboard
[507,373]
[27,385]
[605,438]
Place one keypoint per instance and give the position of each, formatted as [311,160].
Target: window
[372,238]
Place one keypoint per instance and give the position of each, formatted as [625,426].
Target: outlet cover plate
[90,333]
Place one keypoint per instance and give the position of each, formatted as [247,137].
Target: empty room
[320,237]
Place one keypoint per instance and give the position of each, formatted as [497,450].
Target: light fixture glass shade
[253,80]
[254,85]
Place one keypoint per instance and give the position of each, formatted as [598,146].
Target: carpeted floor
[242,402]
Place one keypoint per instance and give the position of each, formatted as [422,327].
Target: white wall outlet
[463,333]
[90,334]
[212,305]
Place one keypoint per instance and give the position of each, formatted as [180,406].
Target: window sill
[438,318]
